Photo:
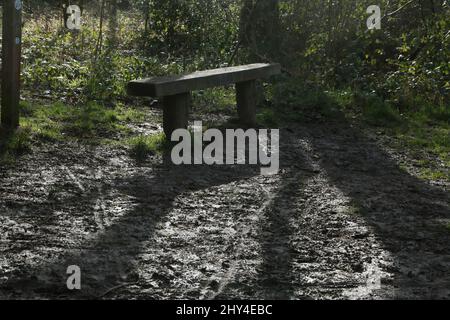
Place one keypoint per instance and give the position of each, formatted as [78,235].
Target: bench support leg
[246,102]
[176,112]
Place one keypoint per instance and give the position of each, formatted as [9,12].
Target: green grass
[14,144]
[427,131]
[142,147]
[424,141]
[433,174]
[90,121]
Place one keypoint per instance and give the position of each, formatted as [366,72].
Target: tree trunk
[113,24]
[260,28]
[99,45]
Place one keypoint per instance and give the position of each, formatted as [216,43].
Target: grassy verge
[92,123]
[421,129]
[426,137]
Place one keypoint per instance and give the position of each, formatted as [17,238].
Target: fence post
[11,56]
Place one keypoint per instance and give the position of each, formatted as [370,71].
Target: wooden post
[11,55]
[176,112]
[246,102]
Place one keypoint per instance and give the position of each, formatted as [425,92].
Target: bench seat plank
[173,85]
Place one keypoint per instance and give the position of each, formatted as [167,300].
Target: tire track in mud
[233,268]
[99,207]
[325,217]
[272,194]
[74,179]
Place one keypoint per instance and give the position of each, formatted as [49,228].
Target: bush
[375,111]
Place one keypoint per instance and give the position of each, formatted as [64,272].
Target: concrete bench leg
[176,112]
[246,102]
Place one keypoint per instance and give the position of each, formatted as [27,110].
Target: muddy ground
[341,220]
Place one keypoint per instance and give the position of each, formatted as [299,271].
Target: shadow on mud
[276,280]
[407,214]
[153,197]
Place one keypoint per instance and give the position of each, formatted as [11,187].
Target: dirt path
[341,220]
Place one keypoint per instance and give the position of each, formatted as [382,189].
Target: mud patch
[340,221]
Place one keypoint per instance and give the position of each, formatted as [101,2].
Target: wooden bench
[176,91]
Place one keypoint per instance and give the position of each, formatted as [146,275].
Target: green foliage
[268,117]
[181,36]
[330,46]
[51,62]
[298,101]
[376,111]
[215,100]
[324,46]
[195,30]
